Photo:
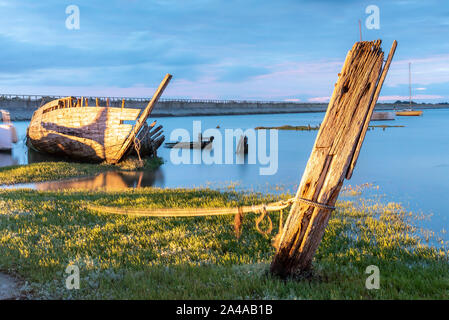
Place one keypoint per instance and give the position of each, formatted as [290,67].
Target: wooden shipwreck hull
[91,133]
[66,127]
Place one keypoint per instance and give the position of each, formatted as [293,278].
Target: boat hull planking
[85,133]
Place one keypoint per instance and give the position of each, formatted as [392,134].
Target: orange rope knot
[263,214]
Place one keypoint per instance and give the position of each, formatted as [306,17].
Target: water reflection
[112,180]
[6,159]
[109,181]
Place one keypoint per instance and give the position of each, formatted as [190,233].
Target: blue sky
[216,49]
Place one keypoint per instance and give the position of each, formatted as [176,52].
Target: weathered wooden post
[142,119]
[333,157]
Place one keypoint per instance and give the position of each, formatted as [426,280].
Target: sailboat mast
[360,29]
[410,83]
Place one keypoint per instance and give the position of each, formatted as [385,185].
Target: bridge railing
[31,97]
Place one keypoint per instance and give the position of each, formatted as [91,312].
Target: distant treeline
[414,102]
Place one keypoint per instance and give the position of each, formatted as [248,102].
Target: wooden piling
[333,156]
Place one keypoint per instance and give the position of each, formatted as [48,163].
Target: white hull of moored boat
[6,137]
[382,116]
[8,134]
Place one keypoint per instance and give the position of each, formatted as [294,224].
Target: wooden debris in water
[288,127]
[385,126]
[149,139]
[203,142]
[242,145]
[380,116]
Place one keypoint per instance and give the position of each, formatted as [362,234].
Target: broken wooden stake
[333,157]
[142,119]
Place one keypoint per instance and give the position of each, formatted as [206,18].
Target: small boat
[202,143]
[68,127]
[378,116]
[409,111]
[8,134]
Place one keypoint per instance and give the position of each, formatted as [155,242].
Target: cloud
[425,71]
[319,99]
[265,50]
[414,97]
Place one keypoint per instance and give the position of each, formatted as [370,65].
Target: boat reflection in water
[6,159]
[108,181]
[111,180]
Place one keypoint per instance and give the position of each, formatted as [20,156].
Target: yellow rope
[137,148]
[263,214]
[189,212]
[193,212]
[263,209]
[138,143]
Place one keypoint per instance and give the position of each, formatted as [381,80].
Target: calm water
[409,164]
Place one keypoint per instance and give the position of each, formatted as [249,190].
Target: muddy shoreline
[9,287]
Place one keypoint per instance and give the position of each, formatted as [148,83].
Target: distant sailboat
[409,112]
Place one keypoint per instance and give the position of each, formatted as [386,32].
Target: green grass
[122,257]
[288,127]
[46,171]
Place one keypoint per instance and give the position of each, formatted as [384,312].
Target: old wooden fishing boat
[8,134]
[409,111]
[68,127]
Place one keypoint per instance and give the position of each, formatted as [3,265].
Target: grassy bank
[120,257]
[47,171]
